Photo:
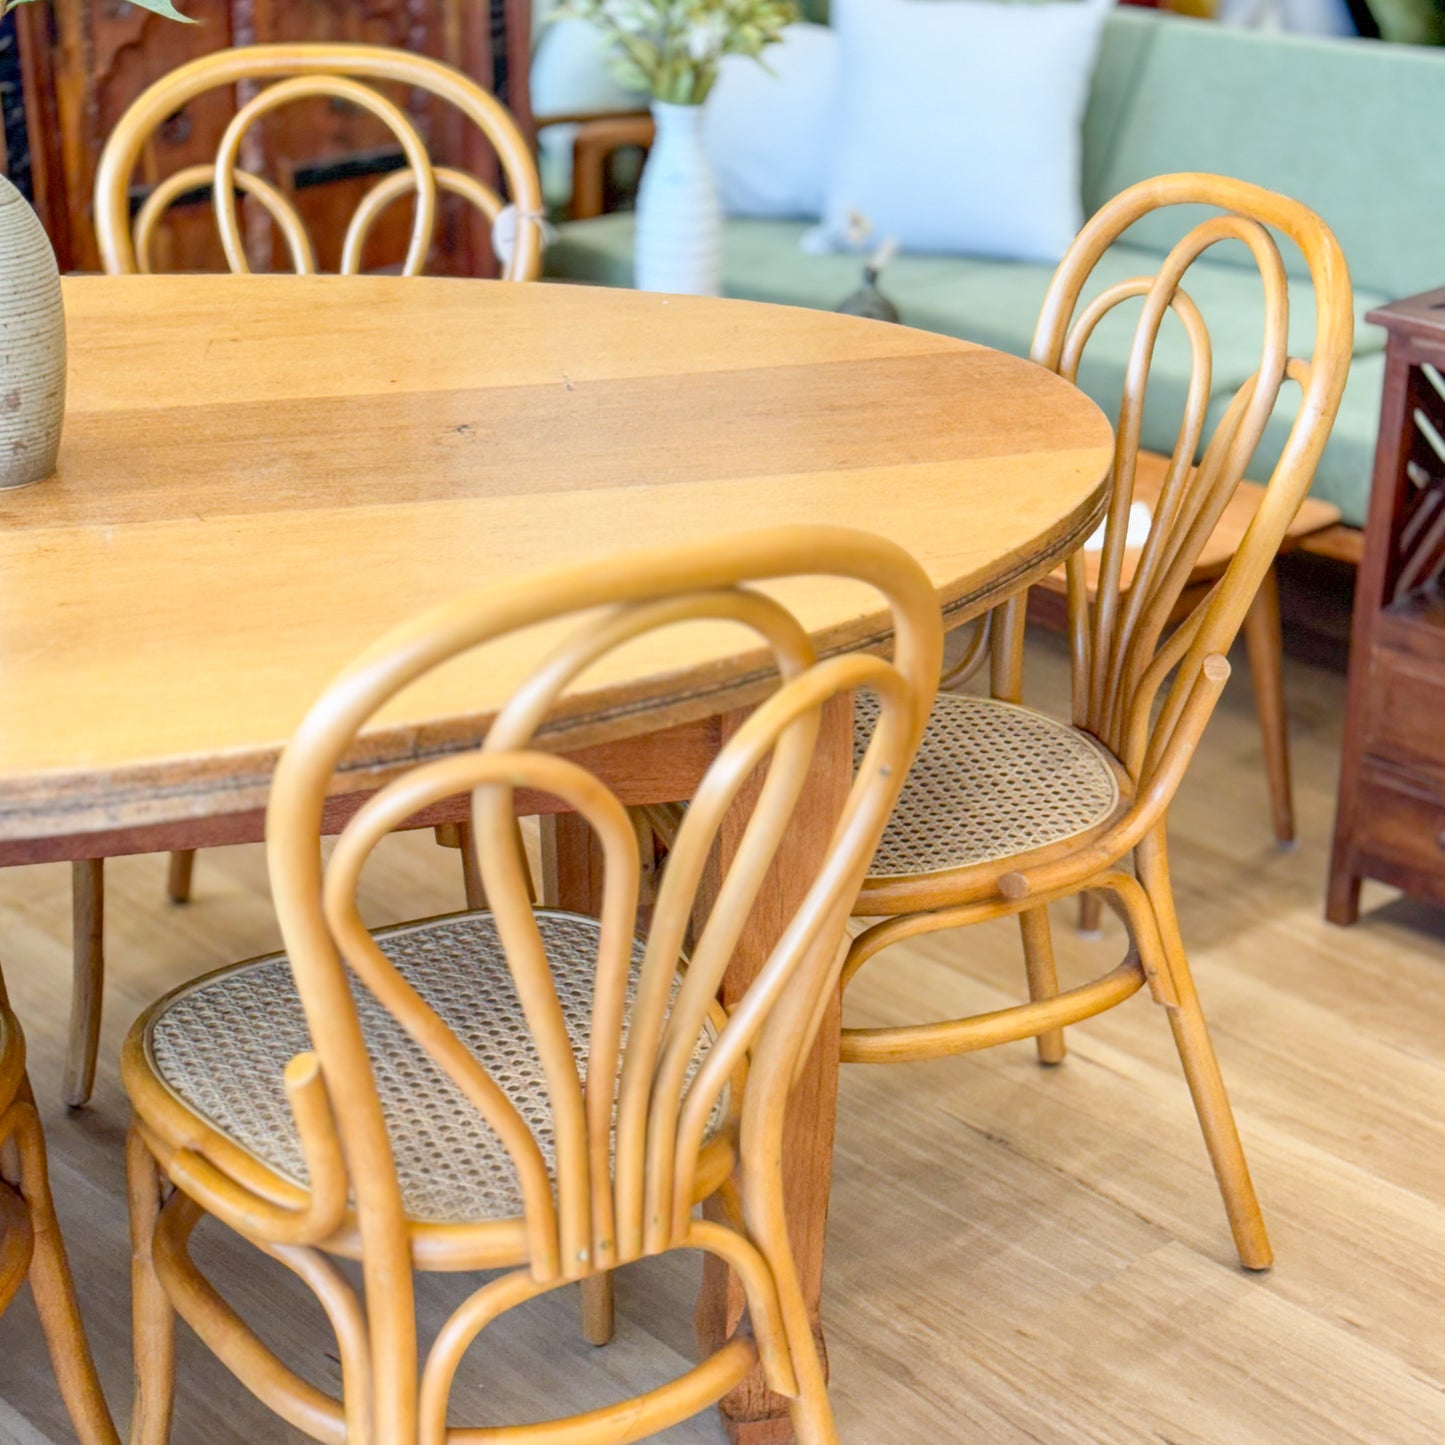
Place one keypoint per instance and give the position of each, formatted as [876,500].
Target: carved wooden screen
[1419,561]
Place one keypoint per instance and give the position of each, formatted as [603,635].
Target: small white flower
[630,16]
[705,37]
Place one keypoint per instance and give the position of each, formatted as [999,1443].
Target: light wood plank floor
[1017,1254]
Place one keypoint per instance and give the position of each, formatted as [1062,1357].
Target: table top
[261,475]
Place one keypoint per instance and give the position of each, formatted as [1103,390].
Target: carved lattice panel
[1421,546]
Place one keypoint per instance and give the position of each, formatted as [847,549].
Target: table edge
[48,810]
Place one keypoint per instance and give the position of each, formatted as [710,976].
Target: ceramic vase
[32,345]
[679,221]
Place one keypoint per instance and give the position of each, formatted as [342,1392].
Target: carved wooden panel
[1421,542]
[88,59]
[12,122]
[1390,822]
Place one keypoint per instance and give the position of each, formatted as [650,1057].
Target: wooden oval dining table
[259,476]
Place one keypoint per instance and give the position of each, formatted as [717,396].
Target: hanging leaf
[157,7]
[672,47]
[165,9]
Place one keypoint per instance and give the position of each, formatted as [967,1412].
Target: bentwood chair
[525,1089]
[290,73]
[1008,810]
[31,1246]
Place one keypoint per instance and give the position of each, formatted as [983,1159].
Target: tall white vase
[679,221]
[32,345]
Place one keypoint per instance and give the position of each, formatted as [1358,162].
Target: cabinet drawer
[1402,820]
[1405,721]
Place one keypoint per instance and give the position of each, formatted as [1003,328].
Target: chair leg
[459,836]
[1043,977]
[87,942]
[178,875]
[54,1291]
[599,1309]
[1201,1068]
[647,856]
[153,1319]
[1265,649]
[810,1411]
[1091,915]
[476,893]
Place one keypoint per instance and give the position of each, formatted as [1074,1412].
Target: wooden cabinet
[1390,822]
[84,61]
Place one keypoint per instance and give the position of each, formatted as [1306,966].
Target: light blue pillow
[960,124]
[769,126]
[571,76]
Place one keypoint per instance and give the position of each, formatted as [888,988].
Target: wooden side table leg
[751,1414]
[1342,902]
[1265,647]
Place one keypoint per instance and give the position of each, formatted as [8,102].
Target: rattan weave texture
[991,780]
[221,1046]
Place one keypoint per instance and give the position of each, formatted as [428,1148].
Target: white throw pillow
[571,74]
[960,130]
[769,127]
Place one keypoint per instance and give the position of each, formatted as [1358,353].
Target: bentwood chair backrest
[1122,656]
[287,73]
[637,1083]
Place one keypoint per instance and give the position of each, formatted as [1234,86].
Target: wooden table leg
[752,1414]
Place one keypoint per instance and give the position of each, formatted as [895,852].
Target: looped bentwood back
[1119,663]
[296,72]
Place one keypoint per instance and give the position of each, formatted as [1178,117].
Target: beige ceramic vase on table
[32,345]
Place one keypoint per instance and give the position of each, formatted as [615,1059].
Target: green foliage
[1410,22]
[158,7]
[672,47]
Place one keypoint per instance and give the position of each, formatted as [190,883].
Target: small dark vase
[868,301]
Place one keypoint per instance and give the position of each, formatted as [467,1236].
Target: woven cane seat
[991,781]
[221,1043]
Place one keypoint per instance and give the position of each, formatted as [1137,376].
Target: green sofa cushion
[1348,127]
[1343,475]
[996,303]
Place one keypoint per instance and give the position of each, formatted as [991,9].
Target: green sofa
[1347,126]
